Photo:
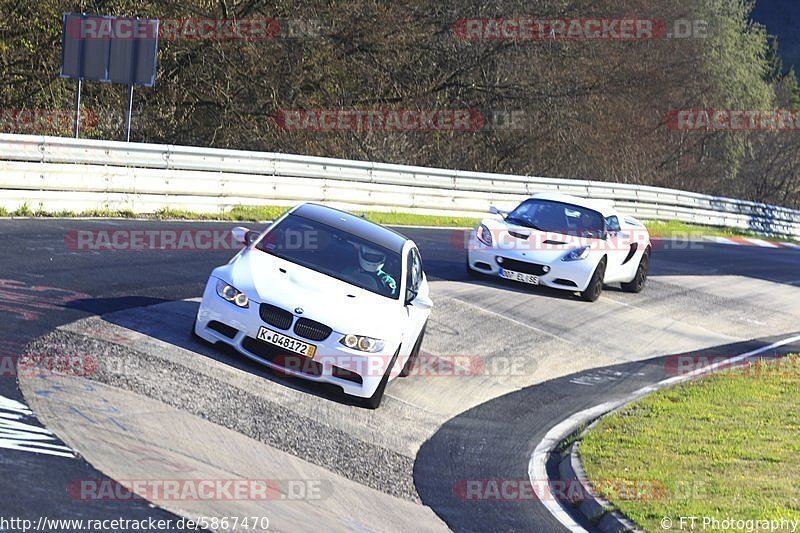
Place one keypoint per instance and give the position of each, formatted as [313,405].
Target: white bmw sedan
[323,295]
[564,242]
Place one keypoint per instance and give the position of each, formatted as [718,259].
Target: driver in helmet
[591,224]
[371,261]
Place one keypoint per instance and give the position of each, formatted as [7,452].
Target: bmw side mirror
[250,237]
[244,236]
[411,294]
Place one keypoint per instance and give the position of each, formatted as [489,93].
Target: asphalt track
[434,434]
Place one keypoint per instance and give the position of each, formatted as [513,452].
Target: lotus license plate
[286,342]
[519,276]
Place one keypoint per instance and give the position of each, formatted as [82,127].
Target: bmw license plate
[519,276]
[286,342]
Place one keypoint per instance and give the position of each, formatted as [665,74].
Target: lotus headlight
[577,254]
[362,344]
[232,294]
[484,235]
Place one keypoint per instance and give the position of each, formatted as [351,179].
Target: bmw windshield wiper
[274,252]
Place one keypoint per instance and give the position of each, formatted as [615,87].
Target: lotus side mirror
[493,210]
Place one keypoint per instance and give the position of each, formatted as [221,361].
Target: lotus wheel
[637,283]
[595,288]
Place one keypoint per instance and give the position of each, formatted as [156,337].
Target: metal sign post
[77,127]
[129,114]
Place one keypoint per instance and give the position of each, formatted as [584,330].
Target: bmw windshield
[557,217]
[336,253]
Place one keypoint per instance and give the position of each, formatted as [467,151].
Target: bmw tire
[412,359]
[374,401]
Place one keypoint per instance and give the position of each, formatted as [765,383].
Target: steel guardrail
[60,173]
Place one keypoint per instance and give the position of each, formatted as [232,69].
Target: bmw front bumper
[356,373]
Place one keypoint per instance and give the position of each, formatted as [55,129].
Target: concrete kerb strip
[142,442]
[566,433]
[596,509]
[129,435]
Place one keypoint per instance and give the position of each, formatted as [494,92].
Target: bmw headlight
[362,344]
[232,294]
[484,235]
[577,254]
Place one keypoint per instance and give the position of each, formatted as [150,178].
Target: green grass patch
[253,213]
[23,211]
[727,445]
[247,213]
[408,219]
[271,212]
[674,228]
[107,213]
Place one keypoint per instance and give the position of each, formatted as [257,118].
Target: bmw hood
[342,306]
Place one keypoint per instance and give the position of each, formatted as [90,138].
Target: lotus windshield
[336,253]
[557,217]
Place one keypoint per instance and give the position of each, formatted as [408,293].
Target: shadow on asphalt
[174,325]
[444,251]
[102,306]
[451,271]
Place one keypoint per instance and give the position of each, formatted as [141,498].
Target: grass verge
[673,227]
[725,446]
[246,213]
[249,214]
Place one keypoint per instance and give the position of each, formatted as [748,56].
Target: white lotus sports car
[564,242]
[323,295]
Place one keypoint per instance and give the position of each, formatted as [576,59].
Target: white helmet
[370,259]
